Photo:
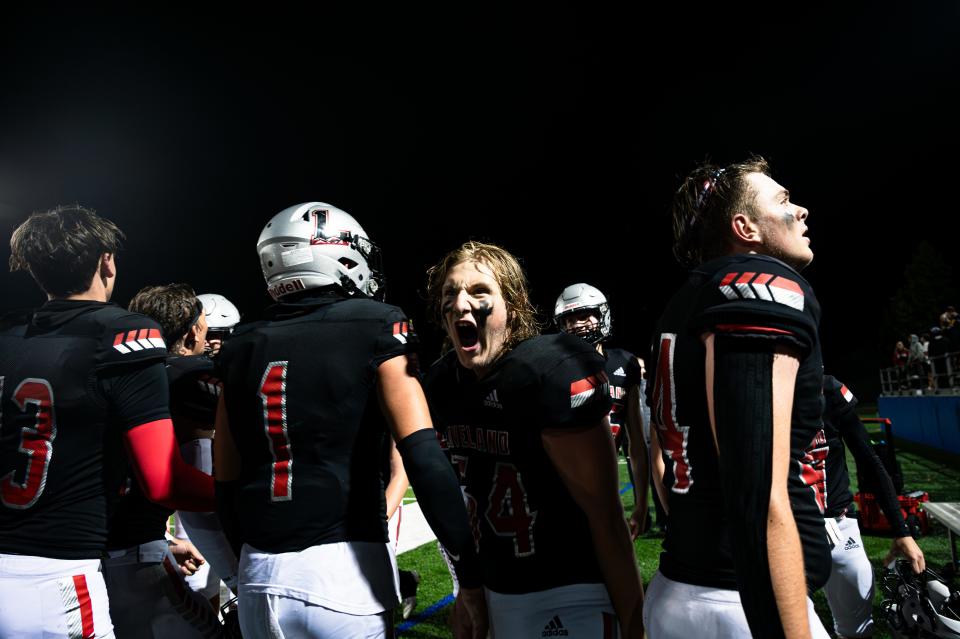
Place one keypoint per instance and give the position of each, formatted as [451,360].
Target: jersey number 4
[36,442]
[508,512]
[273,394]
[673,437]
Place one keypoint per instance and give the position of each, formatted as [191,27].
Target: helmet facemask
[376,285]
[592,332]
[581,298]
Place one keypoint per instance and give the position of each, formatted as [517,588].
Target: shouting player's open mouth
[467,335]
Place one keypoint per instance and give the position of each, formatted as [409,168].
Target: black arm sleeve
[856,438]
[438,492]
[743,405]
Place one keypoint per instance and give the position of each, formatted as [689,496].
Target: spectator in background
[952,337]
[917,363]
[948,318]
[927,367]
[901,355]
[937,349]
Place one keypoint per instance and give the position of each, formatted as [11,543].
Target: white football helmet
[221,314]
[316,244]
[583,297]
[919,605]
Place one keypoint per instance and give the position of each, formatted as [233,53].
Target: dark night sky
[560,135]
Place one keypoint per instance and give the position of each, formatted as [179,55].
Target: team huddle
[284,445]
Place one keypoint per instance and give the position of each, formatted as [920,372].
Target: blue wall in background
[929,420]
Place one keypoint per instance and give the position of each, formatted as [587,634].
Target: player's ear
[106,271]
[192,338]
[108,268]
[745,230]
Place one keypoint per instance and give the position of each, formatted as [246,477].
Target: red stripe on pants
[86,608]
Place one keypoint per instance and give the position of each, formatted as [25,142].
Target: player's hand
[908,548]
[637,522]
[469,617]
[213,346]
[187,556]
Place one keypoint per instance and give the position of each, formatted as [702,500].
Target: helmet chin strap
[349,285]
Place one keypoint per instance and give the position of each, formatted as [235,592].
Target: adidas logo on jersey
[492,400]
[555,628]
[851,544]
[620,372]
[763,286]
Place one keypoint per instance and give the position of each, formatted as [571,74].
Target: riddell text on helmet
[286,287]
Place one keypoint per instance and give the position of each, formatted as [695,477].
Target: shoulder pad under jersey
[127,338]
[759,296]
[837,396]
[566,377]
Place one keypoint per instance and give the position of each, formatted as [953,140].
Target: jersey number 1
[36,442]
[273,394]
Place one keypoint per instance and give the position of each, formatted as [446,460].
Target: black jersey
[623,371]
[193,398]
[531,534]
[74,377]
[300,394]
[195,389]
[752,297]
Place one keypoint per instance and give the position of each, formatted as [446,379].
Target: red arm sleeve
[163,475]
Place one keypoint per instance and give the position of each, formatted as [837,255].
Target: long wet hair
[522,320]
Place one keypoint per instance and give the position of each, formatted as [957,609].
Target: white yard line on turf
[414,530]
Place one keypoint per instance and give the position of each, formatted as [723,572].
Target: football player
[150,598]
[80,379]
[850,587]
[222,316]
[197,449]
[306,395]
[735,398]
[582,310]
[525,420]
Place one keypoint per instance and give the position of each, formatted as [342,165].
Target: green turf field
[941,480]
